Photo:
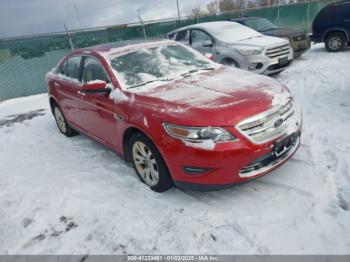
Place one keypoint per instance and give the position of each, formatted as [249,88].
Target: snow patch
[205,145]
[118,95]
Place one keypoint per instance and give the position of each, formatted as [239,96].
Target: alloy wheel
[61,122]
[145,163]
[335,43]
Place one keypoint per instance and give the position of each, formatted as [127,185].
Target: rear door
[99,108]
[69,91]
[347,20]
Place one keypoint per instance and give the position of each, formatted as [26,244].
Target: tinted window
[62,69]
[72,67]
[93,70]
[328,14]
[198,36]
[183,36]
[172,36]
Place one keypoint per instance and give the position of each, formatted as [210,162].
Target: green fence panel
[25,61]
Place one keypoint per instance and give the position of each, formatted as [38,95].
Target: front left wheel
[62,123]
[148,163]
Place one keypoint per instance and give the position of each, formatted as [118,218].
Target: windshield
[161,63]
[231,32]
[260,24]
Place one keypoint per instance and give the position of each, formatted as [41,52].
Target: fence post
[69,38]
[143,26]
[308,16]
[278,12]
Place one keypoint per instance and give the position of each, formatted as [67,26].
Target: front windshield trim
[266,21]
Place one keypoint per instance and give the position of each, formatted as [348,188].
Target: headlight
[198,134]
[249,51]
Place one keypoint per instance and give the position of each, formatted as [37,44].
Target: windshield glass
[260,24]
[231,32]
[161,63]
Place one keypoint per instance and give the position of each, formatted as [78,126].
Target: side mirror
[207,43]
[95,87]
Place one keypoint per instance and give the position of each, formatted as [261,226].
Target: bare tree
[226,5]
[196,12]
[212,8]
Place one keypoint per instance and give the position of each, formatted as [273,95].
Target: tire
[230,62]
[62,123]
[148,163]
[335,42]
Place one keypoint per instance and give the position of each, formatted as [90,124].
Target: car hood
[283,32]
[262,41]
[222,97]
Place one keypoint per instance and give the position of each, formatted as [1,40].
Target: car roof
[204,26]
[122,46]
[340,2]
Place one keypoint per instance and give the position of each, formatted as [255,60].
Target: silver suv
[236,45]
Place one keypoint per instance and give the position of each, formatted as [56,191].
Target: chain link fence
[24,61]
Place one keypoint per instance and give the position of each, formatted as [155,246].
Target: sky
[25,17]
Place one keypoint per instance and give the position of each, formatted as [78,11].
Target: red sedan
[176,115]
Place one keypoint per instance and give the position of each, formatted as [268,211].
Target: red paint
[95,115]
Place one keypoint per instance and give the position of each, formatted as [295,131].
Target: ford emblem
[278,123]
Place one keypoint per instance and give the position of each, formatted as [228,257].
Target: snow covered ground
[63,196]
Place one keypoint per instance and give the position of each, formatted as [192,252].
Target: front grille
[299,38]
[278,66]
[269,125]
[277,51]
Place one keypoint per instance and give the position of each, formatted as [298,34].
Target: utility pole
[178,9]
[78,16]
[143,26]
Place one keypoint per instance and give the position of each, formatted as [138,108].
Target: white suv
[236,45]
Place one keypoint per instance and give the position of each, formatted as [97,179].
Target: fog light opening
[196,170]
[255,66]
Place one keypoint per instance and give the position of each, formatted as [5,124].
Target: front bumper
[226,177]
[269,66]
[224,165]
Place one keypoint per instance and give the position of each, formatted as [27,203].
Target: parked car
[236,45]
[332,26]
[178,117]
[298,39]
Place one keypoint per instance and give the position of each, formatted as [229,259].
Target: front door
[99,108]
[202,42]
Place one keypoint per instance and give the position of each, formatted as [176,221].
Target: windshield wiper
[151,81]
[196,70]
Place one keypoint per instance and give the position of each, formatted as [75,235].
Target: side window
[172,36]
[72,67]
[198,36]
[183,36]
[63,68]
[93,70]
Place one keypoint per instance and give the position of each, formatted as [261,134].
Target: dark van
[332,26]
